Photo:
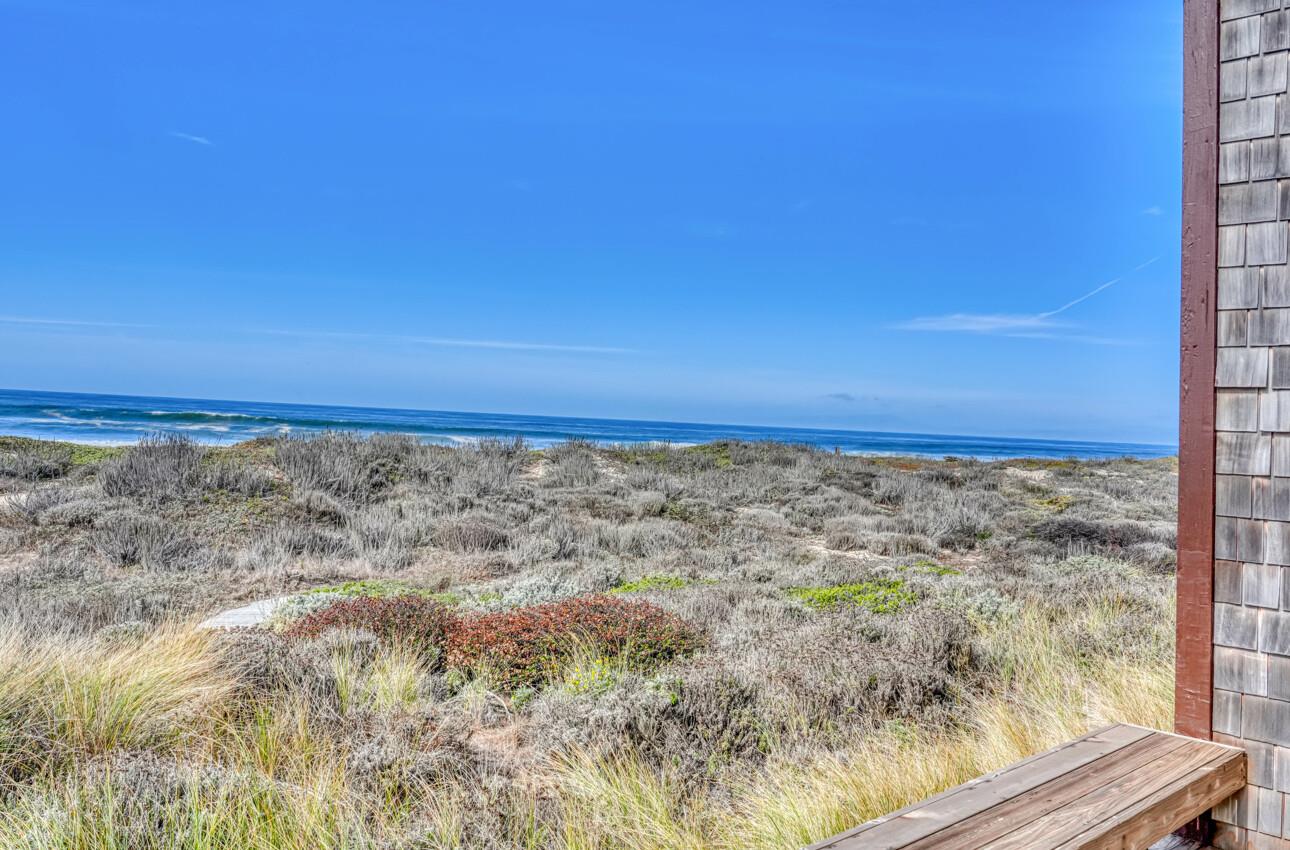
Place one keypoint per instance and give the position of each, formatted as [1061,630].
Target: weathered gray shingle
[1281,767]
[1261,765]
[1277,542]
[1233,80]
[1227,582]
[1241,8]
[1275,33]
[1238,288]
[1225,539]
[1265,158]
[1247,119]
[1245,203]
[1269,808]
[1233,328]
[1280,455]
[1233,495]
[1274,634]
[1240,38]
[1249,547]
[1236,627]
[1281,368]
[1270,327]
[1236,410]
[1266,720]
[1243,454]
[1276,287]
[1234,162]
[1240,670]
[1265,244]
[1227,712]
[1279,678]
[1267,74]
[1270,498]
[1261,586]
[1242,367]
[1274,410]
[1231,245]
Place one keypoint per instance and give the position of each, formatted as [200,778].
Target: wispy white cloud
[1087,339]
[451,342]
[75,323]
[189,137]
[1043,325]
[1153,211]
[986,323]
[444,342]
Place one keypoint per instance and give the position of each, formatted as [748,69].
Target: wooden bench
[1118,787]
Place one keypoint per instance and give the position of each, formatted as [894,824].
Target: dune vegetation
[721,646]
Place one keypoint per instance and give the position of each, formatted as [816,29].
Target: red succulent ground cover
[519,647]
[418,622]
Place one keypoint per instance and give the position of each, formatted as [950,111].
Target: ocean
[117,419]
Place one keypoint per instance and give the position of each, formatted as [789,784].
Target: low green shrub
[650,582]
[1057,504]
[932,568]
[880,595]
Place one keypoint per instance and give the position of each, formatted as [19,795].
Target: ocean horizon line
[122,419]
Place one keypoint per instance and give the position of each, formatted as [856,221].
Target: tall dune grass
[66,704]
[1052,694]
[67,699]
[103,813]
[1048,692]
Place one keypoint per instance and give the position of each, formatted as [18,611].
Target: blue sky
[865,215]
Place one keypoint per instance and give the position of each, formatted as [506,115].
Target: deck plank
[998,821]
[1172,807]
[926,817]
[1119,787]
[1058,827]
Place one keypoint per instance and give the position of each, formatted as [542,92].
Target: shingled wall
[1252,419]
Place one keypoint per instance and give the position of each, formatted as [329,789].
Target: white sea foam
[222,429]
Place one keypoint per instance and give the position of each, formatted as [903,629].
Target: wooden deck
[1119,787]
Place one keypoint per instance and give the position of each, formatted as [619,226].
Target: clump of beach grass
[267,770]
[1050,694]
[171,806]
[65,700]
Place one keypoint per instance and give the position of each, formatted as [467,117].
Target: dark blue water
[124,419]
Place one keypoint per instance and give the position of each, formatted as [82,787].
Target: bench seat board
[1118,787]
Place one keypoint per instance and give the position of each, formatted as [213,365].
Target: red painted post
[1193,692]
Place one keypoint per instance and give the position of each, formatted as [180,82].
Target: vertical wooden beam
[1193,691]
